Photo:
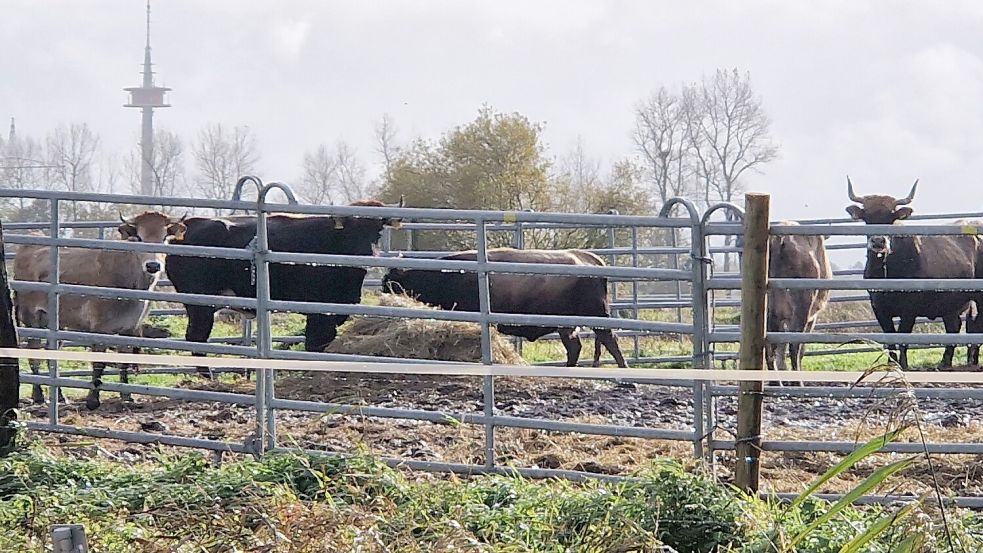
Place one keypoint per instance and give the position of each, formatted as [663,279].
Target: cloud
[287,38]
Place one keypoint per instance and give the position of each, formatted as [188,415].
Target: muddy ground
[582,401]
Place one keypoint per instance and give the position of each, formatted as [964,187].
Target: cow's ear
[126,230]
[394,223]
[856,212]
[339,222]
[902,213]
[176,230]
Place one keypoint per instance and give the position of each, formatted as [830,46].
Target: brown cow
[795,256]
[90,267]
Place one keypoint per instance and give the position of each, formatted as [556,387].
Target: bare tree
[386,147]
[222,155]
[22,167]
[167,167]
[660,139]
[71,150]
[334,176]
[317,185]
[729,134]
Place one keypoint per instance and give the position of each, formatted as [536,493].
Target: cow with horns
[922,257]
[344,235]
[105,268]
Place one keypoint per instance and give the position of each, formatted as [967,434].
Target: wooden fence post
[754,290]
[9,369]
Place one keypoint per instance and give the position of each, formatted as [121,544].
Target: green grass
[289,502]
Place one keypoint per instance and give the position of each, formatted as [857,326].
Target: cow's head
[879,210]
[410,282]
[363,232]
[151,226]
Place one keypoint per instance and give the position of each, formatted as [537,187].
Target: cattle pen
[665,263]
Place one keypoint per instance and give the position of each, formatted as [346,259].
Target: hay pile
[419,338]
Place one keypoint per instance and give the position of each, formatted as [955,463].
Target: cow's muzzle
[152,267]
[879,245]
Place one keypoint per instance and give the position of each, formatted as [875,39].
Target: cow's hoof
[92,403]
[127,398]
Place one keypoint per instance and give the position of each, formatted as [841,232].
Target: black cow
[288,282]
[522,294]
[927,257]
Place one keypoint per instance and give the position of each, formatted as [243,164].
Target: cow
[288,282]
[794,256]
[89,267]
[523,294]
[925,257]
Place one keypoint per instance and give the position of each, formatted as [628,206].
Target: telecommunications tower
[147,97]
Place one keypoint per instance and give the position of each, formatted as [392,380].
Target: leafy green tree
[498,162]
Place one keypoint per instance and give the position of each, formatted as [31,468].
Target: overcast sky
[884,91]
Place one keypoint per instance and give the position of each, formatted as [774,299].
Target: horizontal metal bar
[835,338]
[361,211]
[954,448]
[125,199]
[863,392]
[896,338]
[114,340]
[870,284]
[474,316]
[915,217]
[126,246]
[962,502]
[127,293]
[188,394]
[875,230]
[497,420]
[491,266]
[139,437]
[464,469]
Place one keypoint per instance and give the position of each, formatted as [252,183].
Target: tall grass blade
[857,543]
[911,544]
[872,481]
[853,458]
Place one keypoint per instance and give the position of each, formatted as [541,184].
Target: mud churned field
[576,401]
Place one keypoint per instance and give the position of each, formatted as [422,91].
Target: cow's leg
[953,323]
[124,374]
[37,394]
[606,336]
[98,367]
[887,327]
[201,319]
[905,326]
[972,327]
[321,330]
[572,344]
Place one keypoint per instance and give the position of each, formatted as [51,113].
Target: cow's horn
[183,217]
[849,190]
[121,218]
[911,195]
[401,199]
